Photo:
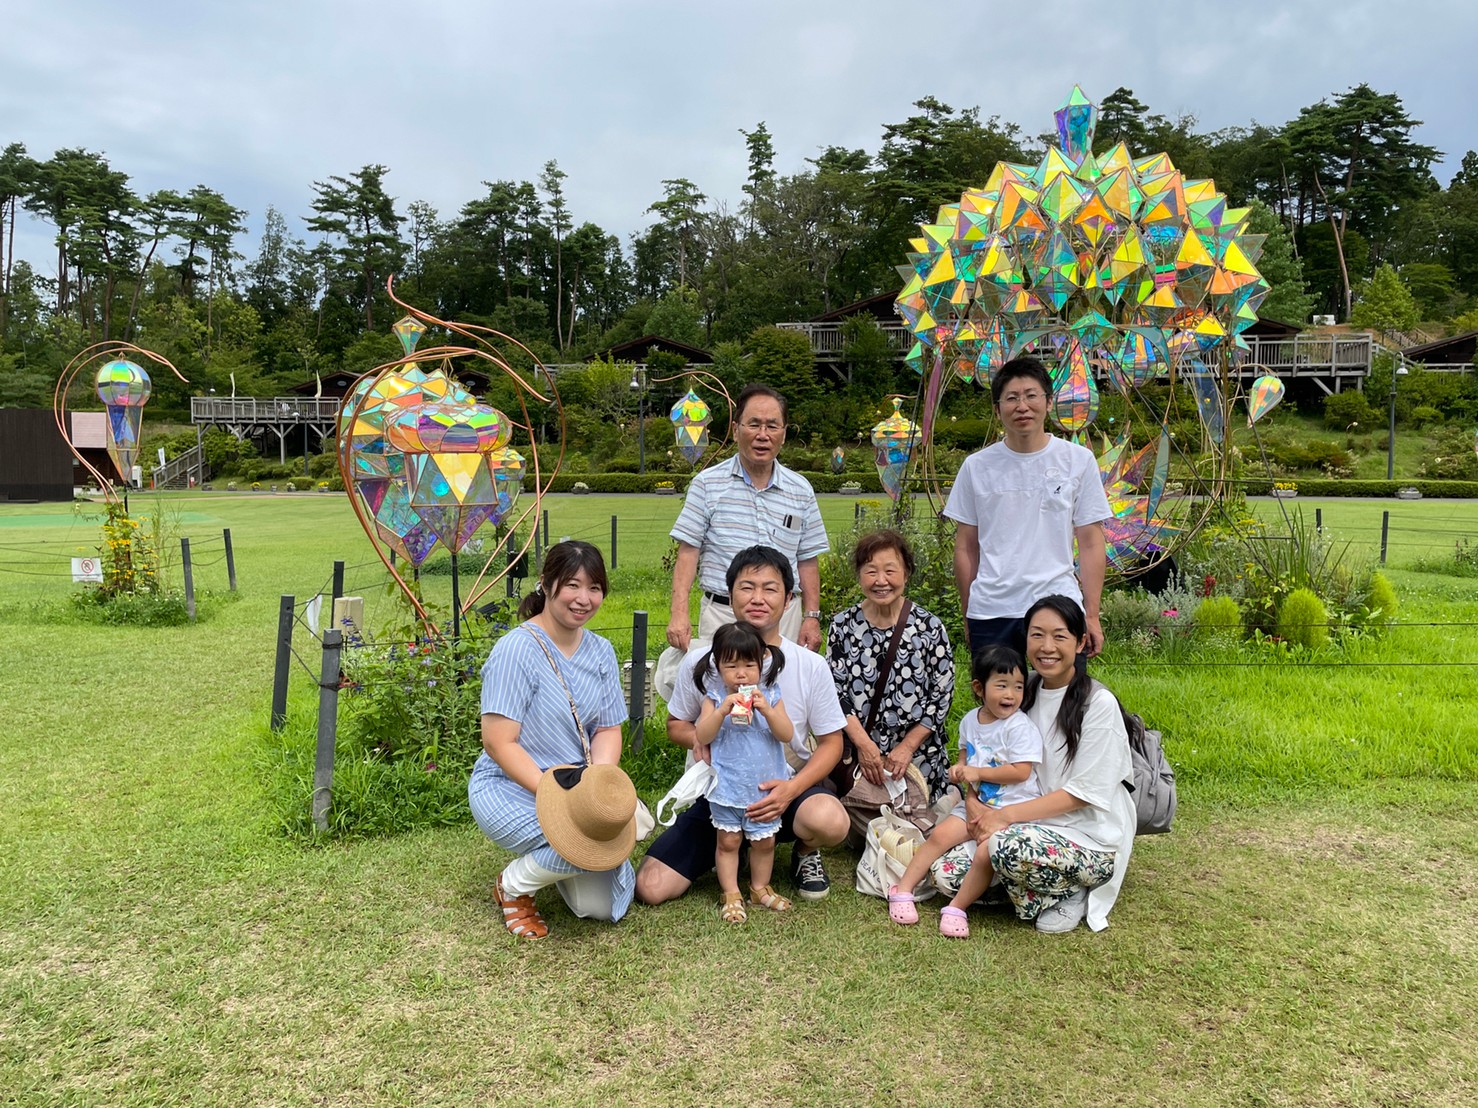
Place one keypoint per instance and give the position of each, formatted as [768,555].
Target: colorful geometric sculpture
[1266,392]
[690,419]
[376,467]
[894,439]
[838,461]
[1135,534]
[123,387]
[458,469]
[1085,260]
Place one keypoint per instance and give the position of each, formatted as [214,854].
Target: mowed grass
[1303,937]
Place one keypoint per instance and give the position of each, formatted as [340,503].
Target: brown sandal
[520,915]
[766,897]
[731,907]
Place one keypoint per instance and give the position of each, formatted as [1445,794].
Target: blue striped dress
[519,683]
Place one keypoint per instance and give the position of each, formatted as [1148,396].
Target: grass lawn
[1305,936]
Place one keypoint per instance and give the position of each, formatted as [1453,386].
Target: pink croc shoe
[901,907]
[953,924]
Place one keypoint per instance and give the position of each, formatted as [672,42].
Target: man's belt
[718,598]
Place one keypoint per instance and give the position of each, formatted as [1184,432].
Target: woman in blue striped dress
[529,724]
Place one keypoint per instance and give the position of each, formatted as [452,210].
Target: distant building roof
[1453,351]
[636,350]
[879,307]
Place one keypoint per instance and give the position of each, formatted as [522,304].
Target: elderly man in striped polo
[749,500]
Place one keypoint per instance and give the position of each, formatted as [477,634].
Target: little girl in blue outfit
[748,730]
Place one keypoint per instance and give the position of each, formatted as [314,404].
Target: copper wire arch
[97,352]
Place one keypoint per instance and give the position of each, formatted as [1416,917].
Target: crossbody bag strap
[574,712]
[885,668]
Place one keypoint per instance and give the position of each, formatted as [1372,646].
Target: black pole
[230,558]
[189,578]
[328,720]
[1385,530]
[546,529]
[284,659]
[1319,520]
[613,542]
[338,580]
[456,600]
[638,708]
[641,432]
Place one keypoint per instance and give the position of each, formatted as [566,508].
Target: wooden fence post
[638,708]
[230,558]
[1385,530]
[284,659]
[189,578]
[328,724]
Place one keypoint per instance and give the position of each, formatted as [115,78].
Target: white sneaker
[1063,917]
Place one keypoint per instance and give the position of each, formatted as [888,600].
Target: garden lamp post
[1399,371]
[639,390]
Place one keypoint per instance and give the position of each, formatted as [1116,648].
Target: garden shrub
[1346,408]
[1303,620]
[1218,616]
[1380,600]
[1425,416]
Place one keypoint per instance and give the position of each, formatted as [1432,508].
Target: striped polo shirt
[724,513]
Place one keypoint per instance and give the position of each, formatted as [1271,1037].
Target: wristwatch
[816,615]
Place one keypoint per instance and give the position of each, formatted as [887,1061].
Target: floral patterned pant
[1038,867]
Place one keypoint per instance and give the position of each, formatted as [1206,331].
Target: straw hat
[588,814]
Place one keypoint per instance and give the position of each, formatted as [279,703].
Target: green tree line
[1341,189]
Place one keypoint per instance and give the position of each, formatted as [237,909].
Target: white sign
[311,611]
[87,569]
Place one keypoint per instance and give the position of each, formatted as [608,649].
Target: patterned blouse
[919,688]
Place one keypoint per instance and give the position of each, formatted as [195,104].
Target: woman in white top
[1062,856]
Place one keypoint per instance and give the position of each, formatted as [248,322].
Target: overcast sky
[260,98]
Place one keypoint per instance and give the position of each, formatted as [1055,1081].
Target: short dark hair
[753,556]
[561,563]
[870,545]
[993,659]
[1016,368]
[749,392]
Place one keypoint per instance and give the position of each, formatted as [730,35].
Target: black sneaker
[809,875]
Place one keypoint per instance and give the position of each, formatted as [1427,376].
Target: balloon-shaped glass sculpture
[894,439]
[1267,391]
[123,387]
[690,419]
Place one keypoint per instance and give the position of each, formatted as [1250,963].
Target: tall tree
[359,212]
[1356,165]
[678,213]
[552,182]
[17,175]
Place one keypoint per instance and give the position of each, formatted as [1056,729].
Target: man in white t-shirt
[1020,504]
[811,816]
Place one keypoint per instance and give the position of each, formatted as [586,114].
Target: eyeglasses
[774,426]
[1022,398]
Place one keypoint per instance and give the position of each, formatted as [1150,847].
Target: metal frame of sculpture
[124,391]
[424,463]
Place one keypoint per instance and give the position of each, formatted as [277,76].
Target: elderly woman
[908,723]
[1061,857]
[551,697]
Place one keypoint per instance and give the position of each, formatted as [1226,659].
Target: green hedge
[1462,490]
[612,482]
[634,482]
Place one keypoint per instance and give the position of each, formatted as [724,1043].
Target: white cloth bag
[889,847]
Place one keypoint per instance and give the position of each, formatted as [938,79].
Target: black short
[688,846]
